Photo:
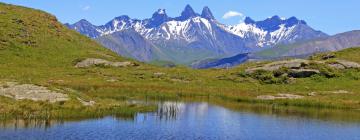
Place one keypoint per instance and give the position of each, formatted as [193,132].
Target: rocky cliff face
[192,36]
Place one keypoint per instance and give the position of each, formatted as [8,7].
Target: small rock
[266,97]
[289,96]
[122,64]
[89,62]
[279,96]
[341,92]
[158,74]
[312,94]
[112,80]
[336,66]
[86,103]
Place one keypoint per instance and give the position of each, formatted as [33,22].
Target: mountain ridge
[329,44]
[193,34]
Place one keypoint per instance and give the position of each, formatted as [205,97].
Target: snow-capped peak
[269,32]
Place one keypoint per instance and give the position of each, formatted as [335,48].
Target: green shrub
[325,70]
[318,78]
[281,71]
[353,74]
[268,77]
[242,74]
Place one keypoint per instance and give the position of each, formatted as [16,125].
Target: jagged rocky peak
[278,20]
[83,22]
[206,13]
[193,30]
[160,13]
[273,23]
[293,21]
[270,24]
[158,18]
[118,21]
[275,17]
[123,17]
[249,20]
[187,13]
[273,20]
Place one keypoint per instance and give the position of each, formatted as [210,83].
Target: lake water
[178,120]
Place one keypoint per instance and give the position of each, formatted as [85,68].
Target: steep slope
[350,54]
[35,43]
[130,44]
[85,27]
[37,68]
[195,37]
[333,43]
[183,40]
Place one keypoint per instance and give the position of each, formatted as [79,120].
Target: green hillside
[36,49]
[352,54]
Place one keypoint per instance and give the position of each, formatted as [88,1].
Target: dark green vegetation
[36,49]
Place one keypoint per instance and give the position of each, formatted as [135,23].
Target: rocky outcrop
[300,68]
[30,92]
[299,65]
[290,64]
[348,64]
[302,73]
[279,96]
[89,62]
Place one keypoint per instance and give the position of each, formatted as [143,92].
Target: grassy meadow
[36,49]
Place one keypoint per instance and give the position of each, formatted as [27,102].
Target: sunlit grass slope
[36,49]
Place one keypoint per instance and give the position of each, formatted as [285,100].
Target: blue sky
[330,16]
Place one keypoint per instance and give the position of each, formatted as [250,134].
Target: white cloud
[231,14]
[86,8]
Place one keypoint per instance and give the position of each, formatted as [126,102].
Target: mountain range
[193,37]
[301,49]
